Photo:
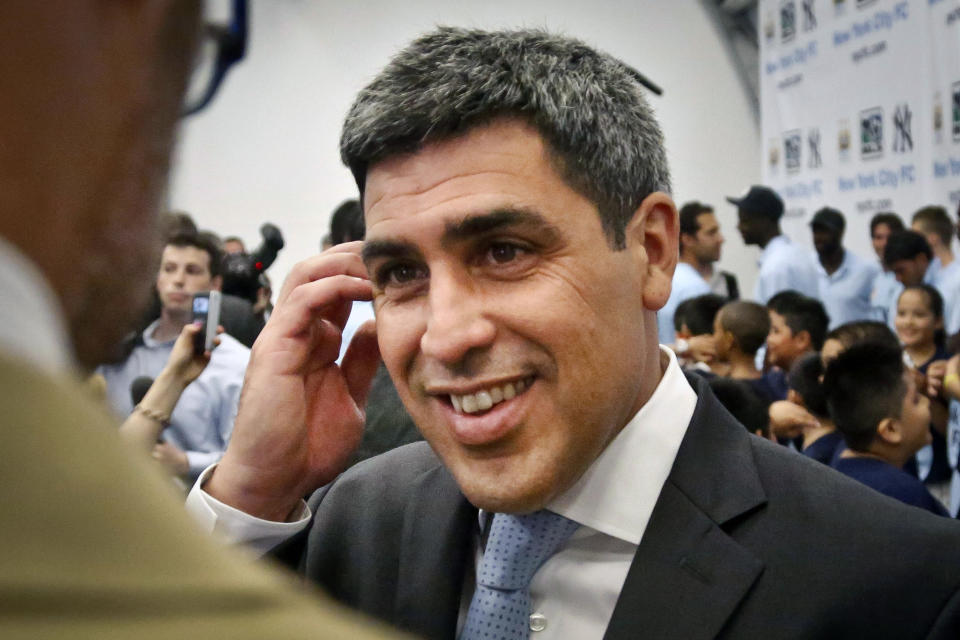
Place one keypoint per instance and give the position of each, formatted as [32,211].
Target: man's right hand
[301,415]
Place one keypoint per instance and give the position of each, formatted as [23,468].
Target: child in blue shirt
[884,419]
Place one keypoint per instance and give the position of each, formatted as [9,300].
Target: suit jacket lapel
[438,532]
[688,574]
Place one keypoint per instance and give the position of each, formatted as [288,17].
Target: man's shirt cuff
[236,527]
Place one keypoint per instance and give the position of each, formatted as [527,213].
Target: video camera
[241,271]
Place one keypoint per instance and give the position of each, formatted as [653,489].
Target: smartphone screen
[206,309]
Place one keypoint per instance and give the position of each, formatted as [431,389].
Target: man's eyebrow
[376,249]
[464,229]
[477,224]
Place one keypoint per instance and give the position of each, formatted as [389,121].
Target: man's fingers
[318,296]
[342,259]
[360,362]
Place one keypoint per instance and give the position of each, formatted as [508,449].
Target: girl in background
[919,326]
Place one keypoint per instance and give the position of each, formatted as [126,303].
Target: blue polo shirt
[846,293]
[783,266]
[687,283]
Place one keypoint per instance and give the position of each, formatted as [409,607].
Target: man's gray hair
[587,106]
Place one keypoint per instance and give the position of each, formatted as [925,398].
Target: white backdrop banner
[860,108]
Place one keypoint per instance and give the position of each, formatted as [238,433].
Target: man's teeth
[483,400]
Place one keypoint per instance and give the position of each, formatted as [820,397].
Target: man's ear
[803,341]
[654,234]
[216,283]
[889,431]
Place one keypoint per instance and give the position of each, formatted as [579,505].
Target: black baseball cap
[761,200]
[829,218]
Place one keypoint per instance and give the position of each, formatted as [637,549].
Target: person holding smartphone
[194,432]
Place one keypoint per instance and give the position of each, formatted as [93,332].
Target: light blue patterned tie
[516,547]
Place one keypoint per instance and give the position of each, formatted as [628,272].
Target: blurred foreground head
[91,96]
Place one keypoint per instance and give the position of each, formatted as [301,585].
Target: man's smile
[485,413]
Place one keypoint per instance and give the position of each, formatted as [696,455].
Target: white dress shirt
[576,590]
[32,327]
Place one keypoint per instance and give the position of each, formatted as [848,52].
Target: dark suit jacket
[747,540]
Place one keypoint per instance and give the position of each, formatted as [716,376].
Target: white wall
[266,149]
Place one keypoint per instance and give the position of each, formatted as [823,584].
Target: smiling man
[520,240]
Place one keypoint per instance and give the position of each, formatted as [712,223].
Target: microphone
[139,388]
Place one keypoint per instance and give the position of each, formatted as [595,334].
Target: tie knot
[518,545]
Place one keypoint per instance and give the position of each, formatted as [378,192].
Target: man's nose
[457,321]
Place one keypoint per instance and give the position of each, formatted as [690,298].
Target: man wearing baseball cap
[782,265]
[846,281]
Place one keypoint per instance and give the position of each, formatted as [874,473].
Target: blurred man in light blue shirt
[944,271]
[846,281]
[886,288]
[782,265]
[700,242]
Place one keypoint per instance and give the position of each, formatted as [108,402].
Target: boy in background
[884,419]
[798,325]
[739,331]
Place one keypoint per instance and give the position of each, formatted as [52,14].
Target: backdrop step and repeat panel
[860,108]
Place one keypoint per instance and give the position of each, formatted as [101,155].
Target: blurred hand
[185,365]
[788,420]
[172,458]
[702,348]
[935,374]
[951,380]
[301,414]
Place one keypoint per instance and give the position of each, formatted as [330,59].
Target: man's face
[826,240]
[910,272]
[184,271]
[783,345]
[706,243]
[494,284]
[94,173]
[881,232]
[748,224]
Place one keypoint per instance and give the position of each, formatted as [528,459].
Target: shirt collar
[772,246]
[841,271]
[32,326]
[617,493]
[148,339]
